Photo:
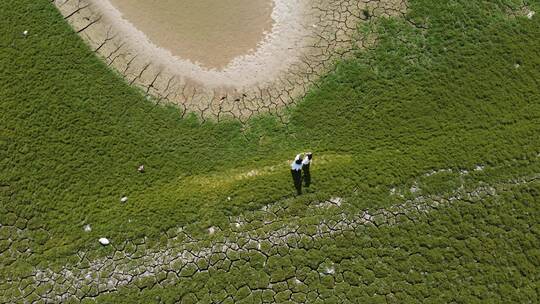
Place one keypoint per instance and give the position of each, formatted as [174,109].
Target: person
[296,172]
[305,168]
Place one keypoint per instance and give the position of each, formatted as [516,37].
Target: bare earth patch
[206,32]
[268,64]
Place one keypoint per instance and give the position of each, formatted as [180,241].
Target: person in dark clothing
[305,168]
[296,172]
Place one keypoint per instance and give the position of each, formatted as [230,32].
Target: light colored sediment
[208,32]
[305,39]
[277,52]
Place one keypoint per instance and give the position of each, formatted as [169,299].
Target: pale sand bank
[278,49]
[208,32]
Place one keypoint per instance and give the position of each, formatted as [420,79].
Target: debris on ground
[336,201]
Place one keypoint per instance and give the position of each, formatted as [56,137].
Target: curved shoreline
[271,56]
[307,37]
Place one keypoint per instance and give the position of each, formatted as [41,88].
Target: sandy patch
[279,49]
[207,32]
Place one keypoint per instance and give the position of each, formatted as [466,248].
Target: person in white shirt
[305,168]
[296,172]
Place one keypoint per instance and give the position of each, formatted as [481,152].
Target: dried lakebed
[207,32]
[233,59]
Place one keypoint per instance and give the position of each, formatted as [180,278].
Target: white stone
[211,230]
[336,200]
[367,216]
[479,168]
[516,65]
[87,228]
[228,198]
[123,199]
[25,33]
[104,241]
[530,14]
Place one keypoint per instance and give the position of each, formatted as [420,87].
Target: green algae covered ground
[446,101]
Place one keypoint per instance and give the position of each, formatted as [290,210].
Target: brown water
[210,32]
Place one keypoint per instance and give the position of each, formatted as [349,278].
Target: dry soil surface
[228,58]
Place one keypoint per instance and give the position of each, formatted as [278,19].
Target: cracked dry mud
[307,37]
[258,237]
